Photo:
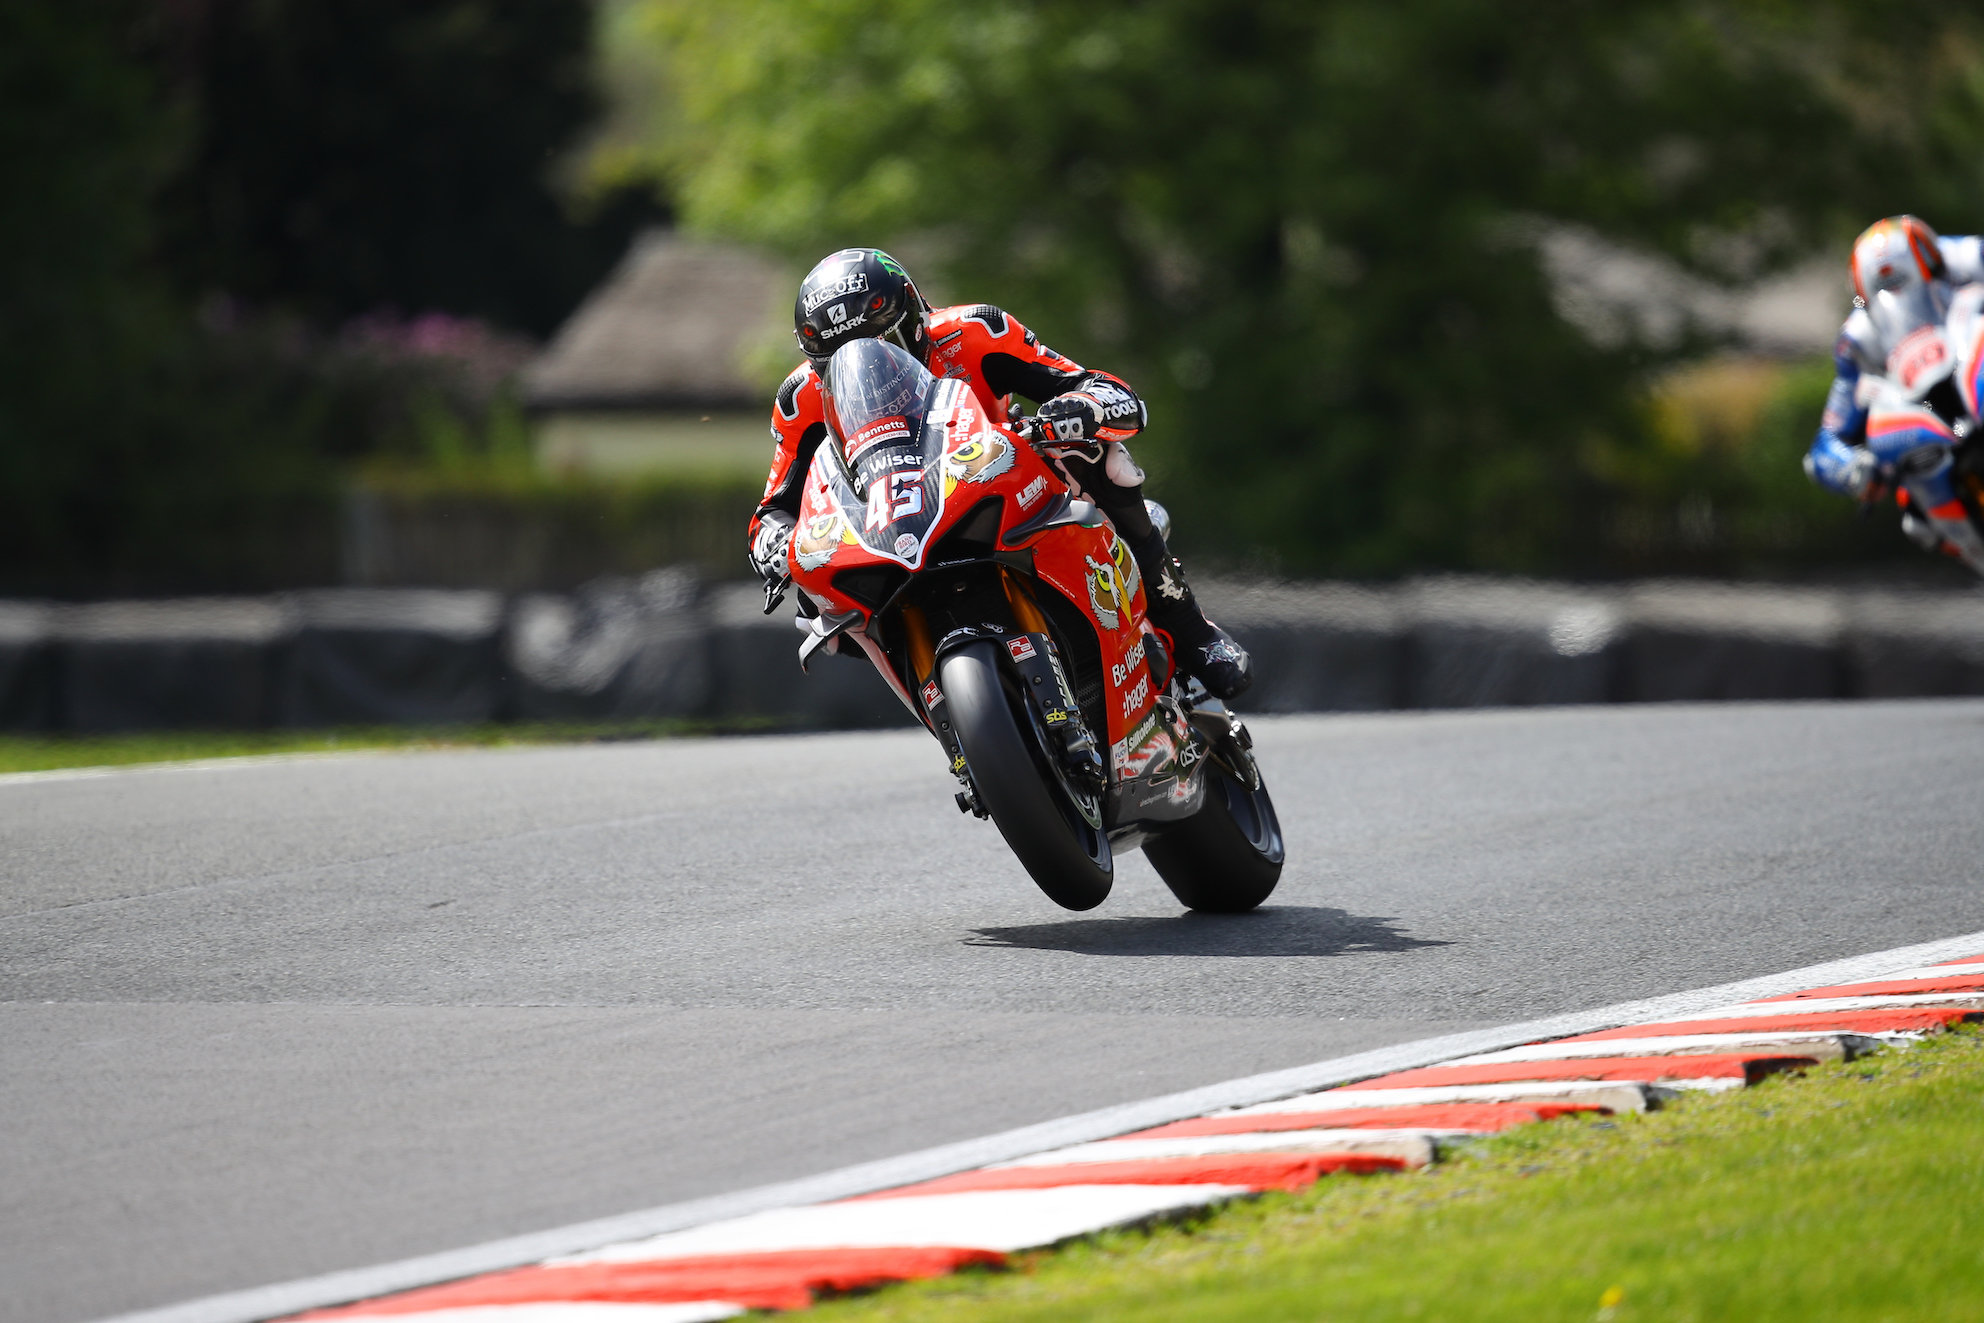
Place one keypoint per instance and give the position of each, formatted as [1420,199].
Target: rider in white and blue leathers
[1901,390]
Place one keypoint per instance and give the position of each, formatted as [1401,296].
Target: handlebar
[1035,433]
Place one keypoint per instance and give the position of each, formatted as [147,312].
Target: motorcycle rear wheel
[1020,784]
[1227,857]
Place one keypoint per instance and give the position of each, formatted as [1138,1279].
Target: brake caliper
[1039,664]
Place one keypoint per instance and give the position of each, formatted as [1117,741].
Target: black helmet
[855,294]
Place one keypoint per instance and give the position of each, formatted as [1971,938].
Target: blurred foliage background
[249,246]
[246,245]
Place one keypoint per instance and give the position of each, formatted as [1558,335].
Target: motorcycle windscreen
[1909,321]
[884,413]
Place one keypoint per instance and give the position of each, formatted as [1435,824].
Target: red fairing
[912,501]
[1093,568]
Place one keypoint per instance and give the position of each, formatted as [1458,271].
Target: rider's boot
[1960,539]
[1200,648]
[1924,535]
[1933,495]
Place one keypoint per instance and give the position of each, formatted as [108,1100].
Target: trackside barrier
[666,645]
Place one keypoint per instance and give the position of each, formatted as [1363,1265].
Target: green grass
[1856,1192]
[41,753]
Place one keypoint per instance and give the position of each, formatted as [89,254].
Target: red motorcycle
[1009,617]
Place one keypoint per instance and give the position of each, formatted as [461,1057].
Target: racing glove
[768,549]
[1070,426]
[1123,414]
[1848,470]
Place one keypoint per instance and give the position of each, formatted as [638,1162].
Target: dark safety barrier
[668,645]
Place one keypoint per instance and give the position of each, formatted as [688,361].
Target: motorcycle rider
[1893,410]
[1086,415]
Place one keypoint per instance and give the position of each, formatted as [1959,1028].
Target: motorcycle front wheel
[1227,857]
[1052,826]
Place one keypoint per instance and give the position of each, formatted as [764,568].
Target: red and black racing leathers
[1000,358]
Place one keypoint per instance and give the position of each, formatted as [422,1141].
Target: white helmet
[1900,279]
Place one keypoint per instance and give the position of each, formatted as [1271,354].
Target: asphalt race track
[272,1019]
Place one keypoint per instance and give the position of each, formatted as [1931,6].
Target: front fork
[1045,683]
[923,670]
[1043,680]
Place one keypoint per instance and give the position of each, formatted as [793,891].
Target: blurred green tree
[83,147]
[390,153]
[197,194]
[1309,227]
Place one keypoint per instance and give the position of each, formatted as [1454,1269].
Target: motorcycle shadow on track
[1284,930]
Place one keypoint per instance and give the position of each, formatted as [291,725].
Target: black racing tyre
[1227,857]
[1028,796]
